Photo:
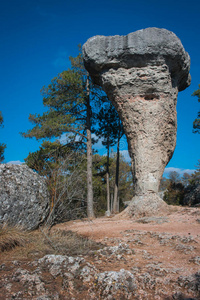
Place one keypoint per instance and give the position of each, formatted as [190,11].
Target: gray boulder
[24,197]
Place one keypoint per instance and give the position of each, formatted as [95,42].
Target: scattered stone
[187,239]
[107,213]
[195,260]
[32,280]
[147,255]
[75,275]
[191,282]
[157,220]
[146,281]
[157,269]
[185,249]
[58,265]
[110,284]
[111,251]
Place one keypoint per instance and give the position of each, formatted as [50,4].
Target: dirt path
[183,222]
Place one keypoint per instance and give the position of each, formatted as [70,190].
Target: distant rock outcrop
[142,74]
[24,197]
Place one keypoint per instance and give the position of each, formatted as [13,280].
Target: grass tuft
[35,244]
[11,237]
[71,243]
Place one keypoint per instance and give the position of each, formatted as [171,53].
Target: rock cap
[150,46]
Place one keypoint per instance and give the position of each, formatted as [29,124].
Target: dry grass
[70,243]
[11,237]
[18,244]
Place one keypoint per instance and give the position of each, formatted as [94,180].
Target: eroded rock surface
[24,198]
[139,273]
[142,74]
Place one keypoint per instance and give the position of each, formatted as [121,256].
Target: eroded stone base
[147,205]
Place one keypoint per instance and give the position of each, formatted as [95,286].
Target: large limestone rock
[142,74]
[24,198]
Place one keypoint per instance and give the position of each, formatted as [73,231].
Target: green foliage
[195,177]
[1,119]
[108,124]
[46,158]
[2,146]
[64,98]
[178,190]
[110,130]
[71,100]
[174,194]
[196,123]
[174,188]
[2,149]
[68,104]
[174,177]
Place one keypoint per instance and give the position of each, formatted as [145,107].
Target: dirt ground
[170,244]
[162,253]
[182,222]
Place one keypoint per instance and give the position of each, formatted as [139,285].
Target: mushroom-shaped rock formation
[142,74]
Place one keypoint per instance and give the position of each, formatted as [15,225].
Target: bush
[174,194]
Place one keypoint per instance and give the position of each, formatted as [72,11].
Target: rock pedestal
[142,74]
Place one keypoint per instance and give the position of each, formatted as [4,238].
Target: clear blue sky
[38,36]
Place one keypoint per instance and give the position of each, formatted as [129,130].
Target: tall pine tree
[2,146]
[196,123]
[120,133]
[68,99]
[110,131]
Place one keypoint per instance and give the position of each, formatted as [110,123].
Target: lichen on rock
[24,197]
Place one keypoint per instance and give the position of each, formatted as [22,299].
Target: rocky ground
[149,258]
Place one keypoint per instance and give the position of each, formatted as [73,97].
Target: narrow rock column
[149,120]
[142,74]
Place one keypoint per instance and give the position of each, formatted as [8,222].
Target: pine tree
[195,177]
[109,130]
[196,123]
[68,99]
[120,133]
[2,146]
[125,192]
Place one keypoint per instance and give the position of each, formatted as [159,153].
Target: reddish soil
[167,249]
[182,222]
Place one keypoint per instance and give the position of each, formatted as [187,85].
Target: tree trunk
[90,209]
[107,180]
[111,201]
[116,190]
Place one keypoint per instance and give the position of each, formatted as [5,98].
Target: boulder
[24,197]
